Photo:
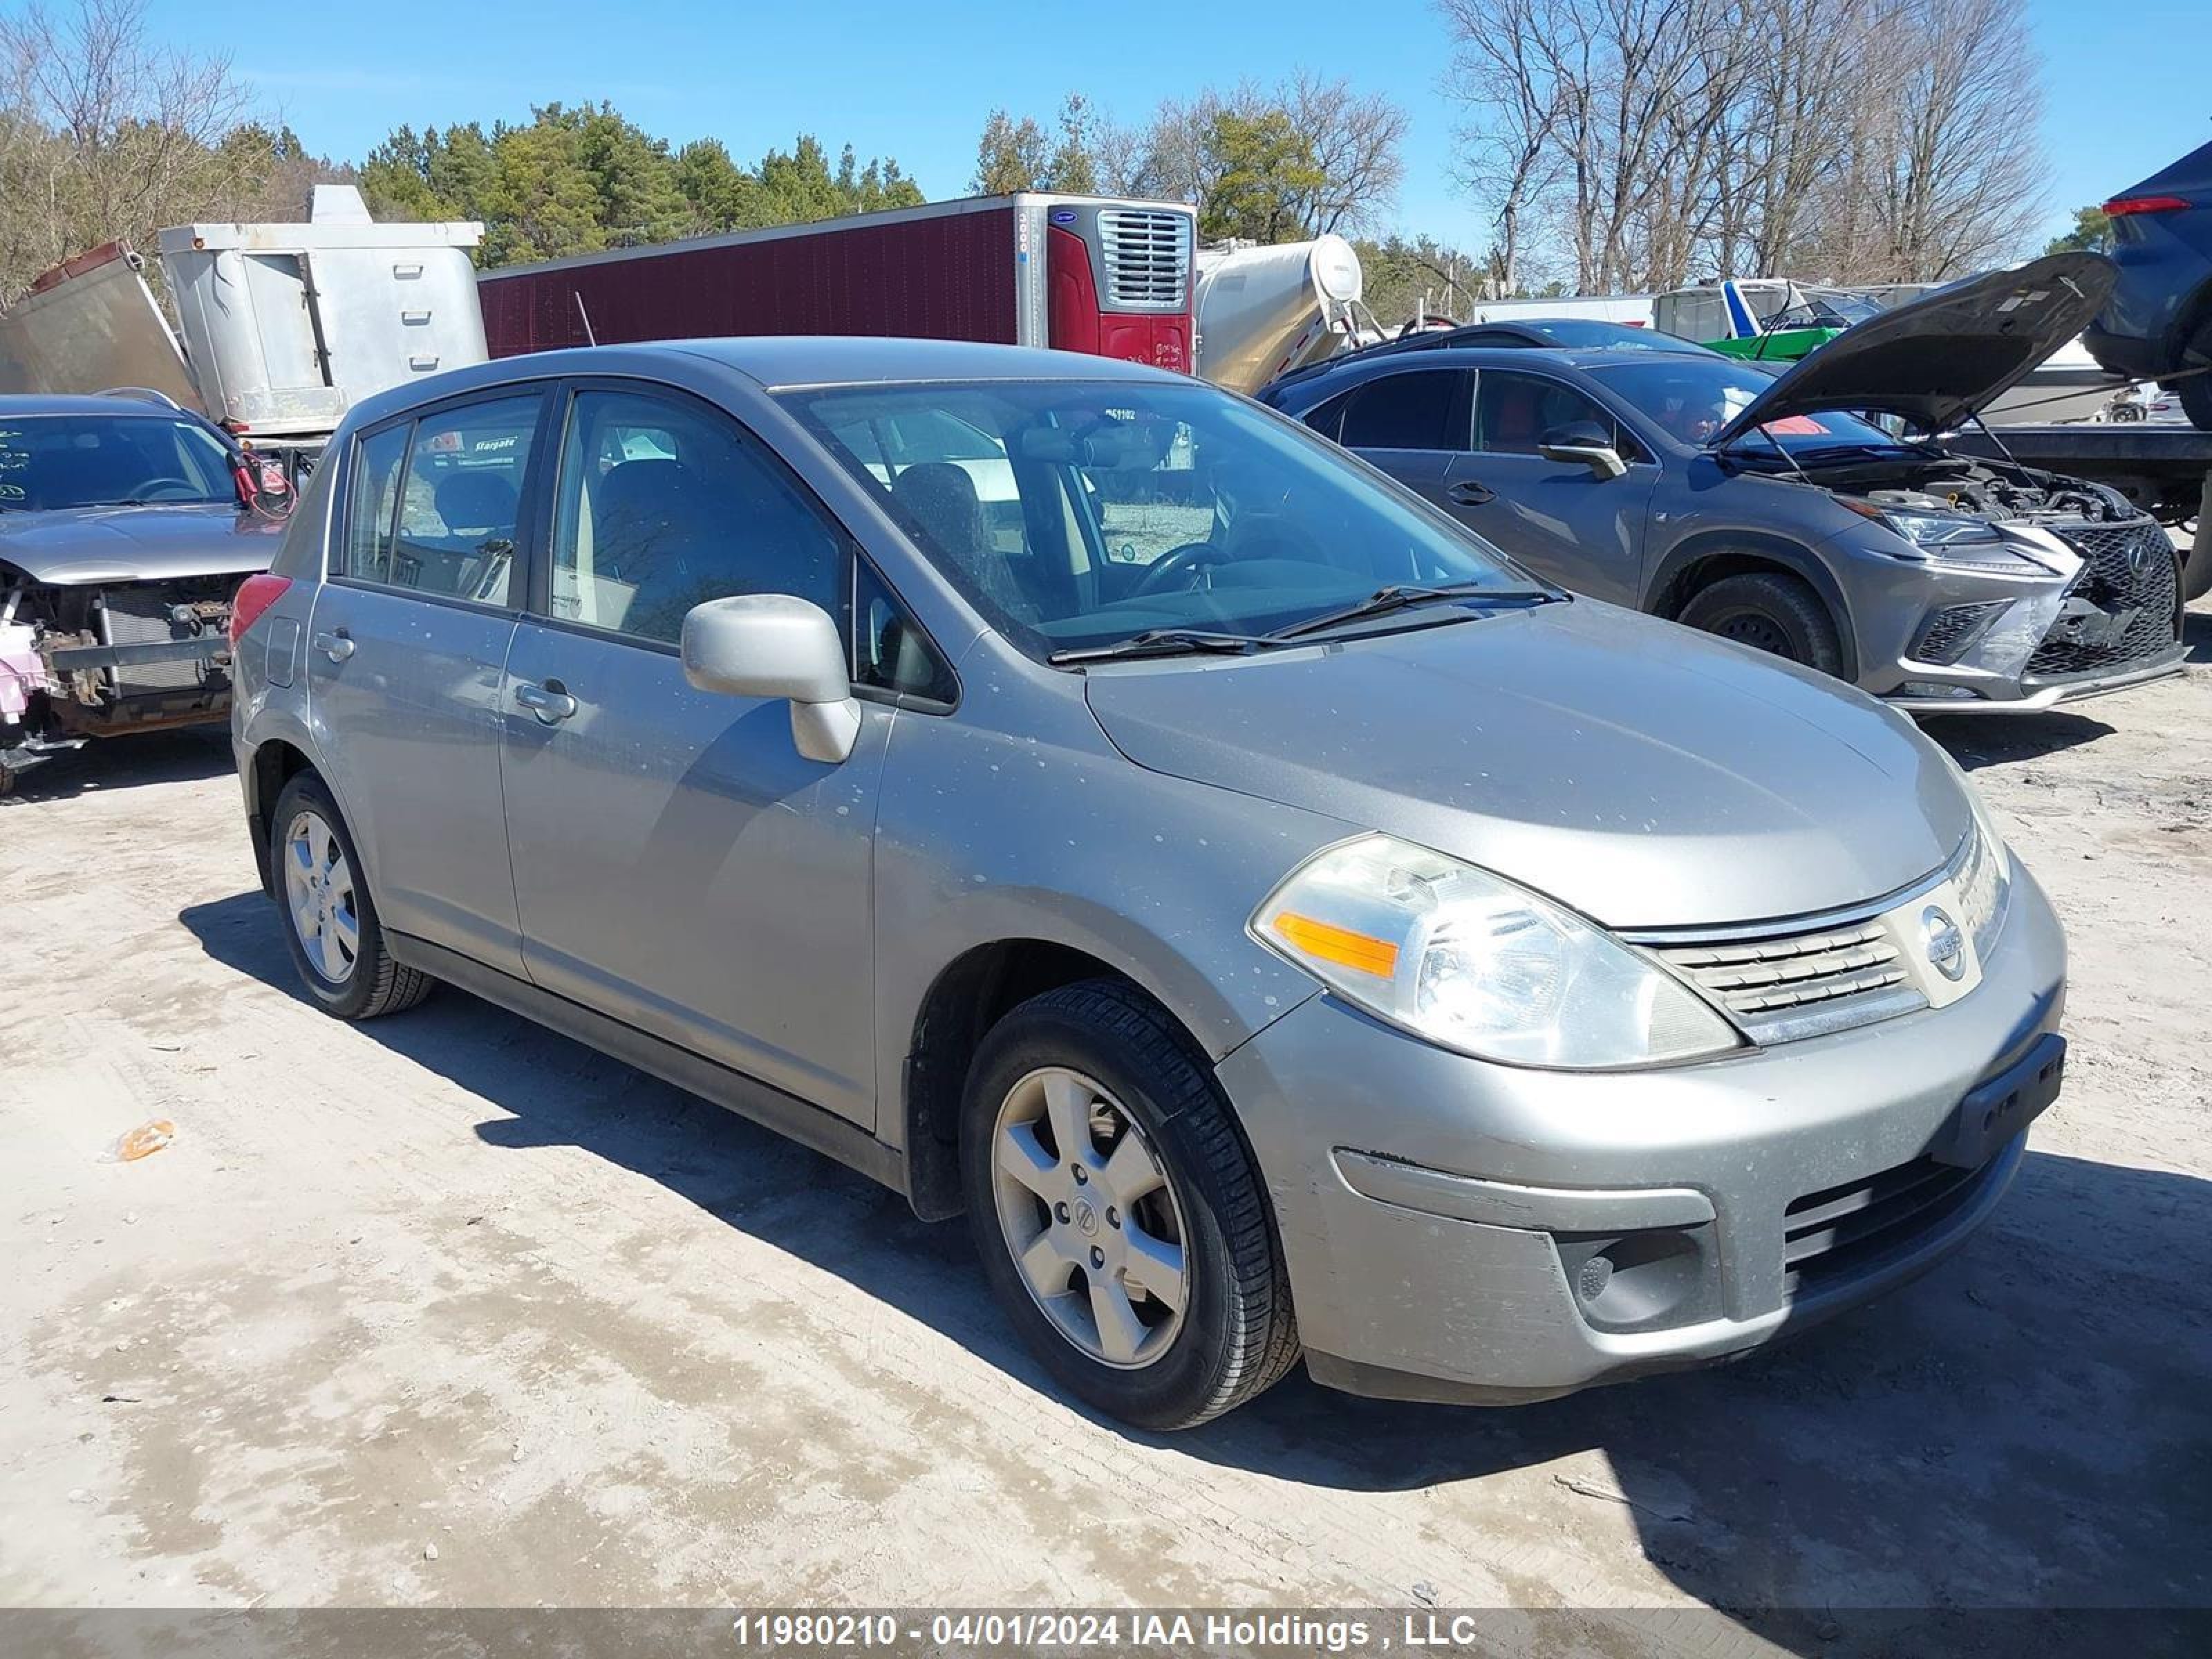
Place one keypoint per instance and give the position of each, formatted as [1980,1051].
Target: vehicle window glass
[890,651]
[53,462]
[371,495]
[460,495]
[663,506]
[1327,419]
[1512,412]
[1142,514]
[1692,398]
[1403,412]
[1233,520]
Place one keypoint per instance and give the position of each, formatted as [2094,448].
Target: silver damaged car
[1086,800]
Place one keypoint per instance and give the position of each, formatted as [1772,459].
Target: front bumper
[1440,1214]
[1949,639]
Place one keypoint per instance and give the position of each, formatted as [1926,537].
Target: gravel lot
[447,1309]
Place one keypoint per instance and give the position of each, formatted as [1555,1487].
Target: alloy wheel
[1090,1216]
[318,892]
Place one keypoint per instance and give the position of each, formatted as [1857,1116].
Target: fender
[1792,555]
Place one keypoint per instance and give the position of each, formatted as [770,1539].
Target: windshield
[53,461]
[1076,514]
[1692,398]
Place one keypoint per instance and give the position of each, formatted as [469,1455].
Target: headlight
[1956,538]
[1983,877]
[1465,959]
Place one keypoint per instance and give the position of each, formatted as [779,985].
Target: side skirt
[789,1115]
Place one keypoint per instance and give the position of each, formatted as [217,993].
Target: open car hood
[1938,359]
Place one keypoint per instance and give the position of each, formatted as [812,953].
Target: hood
[1645,774]
[1938,359]
[76,545]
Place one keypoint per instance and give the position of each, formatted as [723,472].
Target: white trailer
[1263,311]
[283,326]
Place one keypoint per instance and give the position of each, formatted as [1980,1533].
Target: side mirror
[772,645]
[1586,443]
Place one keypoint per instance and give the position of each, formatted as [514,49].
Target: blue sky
[2125,86]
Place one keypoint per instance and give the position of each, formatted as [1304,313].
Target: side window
[1327,419]
[434,510]
[663,506]
[1404,412]
[890,651]
[1512,412]
[370,495]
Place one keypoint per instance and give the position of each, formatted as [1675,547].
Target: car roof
[1326,378]
[774,361]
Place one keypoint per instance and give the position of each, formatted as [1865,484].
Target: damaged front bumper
[1954,639]
[82,662]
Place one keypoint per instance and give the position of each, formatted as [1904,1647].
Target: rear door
[408,642]
[1558,518]
[1409,423]
[680,866]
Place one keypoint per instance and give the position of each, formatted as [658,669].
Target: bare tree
[110,136]
[1354,139]
[1635,143]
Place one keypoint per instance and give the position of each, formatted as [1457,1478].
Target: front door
[407,645]
[680,866]
[1558,518]
[1409,423]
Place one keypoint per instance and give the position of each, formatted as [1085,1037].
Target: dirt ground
[447,1309]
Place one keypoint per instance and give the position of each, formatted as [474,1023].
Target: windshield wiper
[1164,642]
[1403,596]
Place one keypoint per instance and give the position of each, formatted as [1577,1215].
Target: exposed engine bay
[1998,494]
[84,661]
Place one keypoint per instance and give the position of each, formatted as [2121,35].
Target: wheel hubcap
[318,892]
[1757,632]
[1090,1218]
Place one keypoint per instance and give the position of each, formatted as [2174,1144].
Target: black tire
[2195,391]
[377,985]
[1768,610]
[1238,1335]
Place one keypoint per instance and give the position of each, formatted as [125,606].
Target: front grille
[2126,567]
[1147,255]
[1951,630]
[1833,1233]
[1838,976]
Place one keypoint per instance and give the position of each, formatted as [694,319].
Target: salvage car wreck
[125,526]
[1820,514]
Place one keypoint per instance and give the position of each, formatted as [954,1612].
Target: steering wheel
[1187,560]
[177,488]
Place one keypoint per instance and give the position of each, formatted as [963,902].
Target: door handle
[338,644]
[549,703]
[1468,493]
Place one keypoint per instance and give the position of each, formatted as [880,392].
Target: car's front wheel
[1768,611]
[329,919]
[1121,1222]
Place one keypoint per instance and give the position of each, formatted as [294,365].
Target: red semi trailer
[1080,273]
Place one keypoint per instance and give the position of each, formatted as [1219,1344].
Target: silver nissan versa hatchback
[1078,797]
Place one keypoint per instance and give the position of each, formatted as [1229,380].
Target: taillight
[255,595]
[2122,206]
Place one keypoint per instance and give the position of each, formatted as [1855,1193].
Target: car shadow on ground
[2027,1427]
[2196,636]
[182,755]
[1979,740]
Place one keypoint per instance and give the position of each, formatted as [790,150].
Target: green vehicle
[1765,319]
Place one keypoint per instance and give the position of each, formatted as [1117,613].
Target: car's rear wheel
[329,919]
[1768,611]
[2194,391]
[1120,1220]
